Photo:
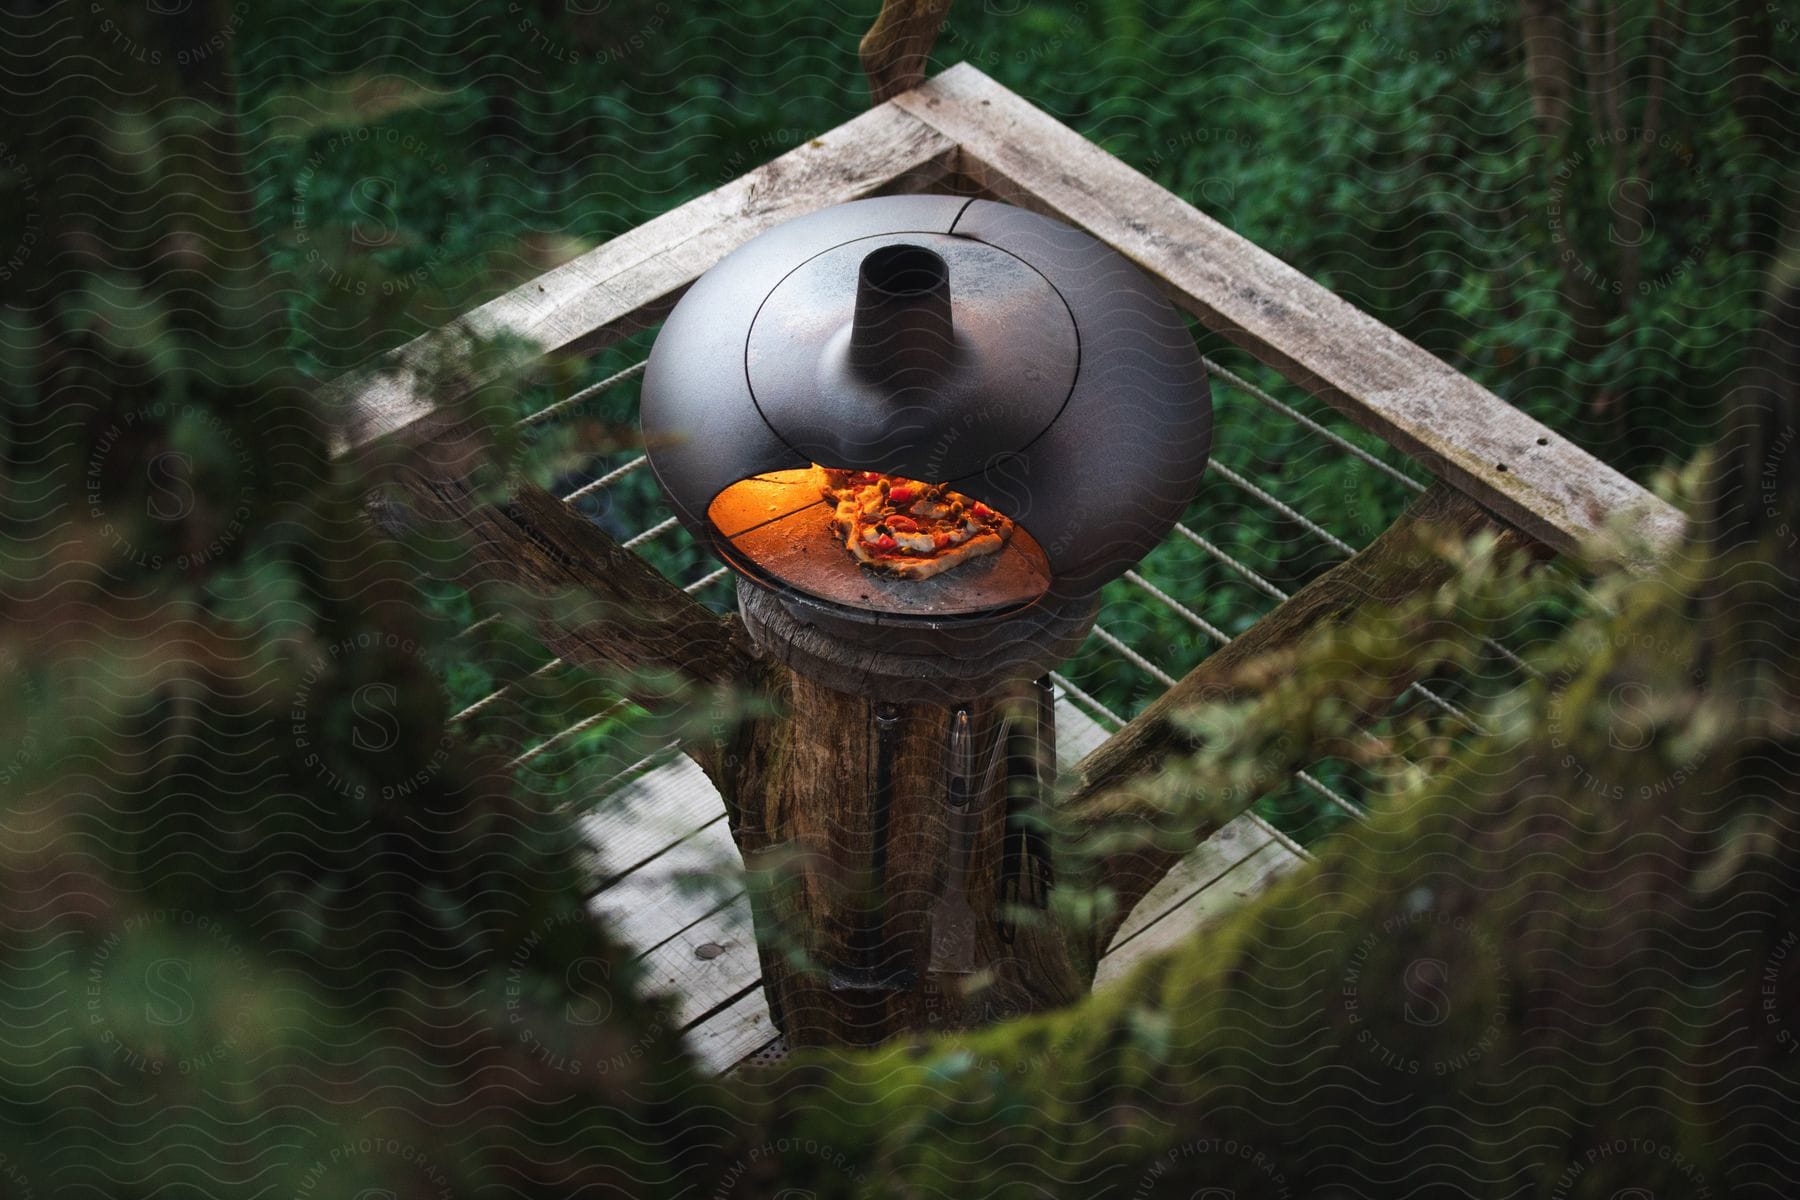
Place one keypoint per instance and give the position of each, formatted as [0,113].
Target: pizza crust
[913,566]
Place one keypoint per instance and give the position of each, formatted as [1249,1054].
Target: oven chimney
[901,335]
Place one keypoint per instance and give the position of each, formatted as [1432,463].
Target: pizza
[907,529]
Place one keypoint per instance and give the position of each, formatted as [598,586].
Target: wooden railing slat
[1460,431]
[617,287]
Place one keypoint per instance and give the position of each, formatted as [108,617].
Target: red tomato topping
[884,542]
[900,495]
[982,510]
[903,524]
[942,539]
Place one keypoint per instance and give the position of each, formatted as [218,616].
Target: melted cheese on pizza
[906,528]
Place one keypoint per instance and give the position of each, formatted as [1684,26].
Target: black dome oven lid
[935,409]
[1062,389]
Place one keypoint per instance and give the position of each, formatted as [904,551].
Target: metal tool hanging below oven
[972,777]
[874,968]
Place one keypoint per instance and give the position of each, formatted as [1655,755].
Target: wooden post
[878,898]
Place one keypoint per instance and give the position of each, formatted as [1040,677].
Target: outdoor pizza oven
[1013,359]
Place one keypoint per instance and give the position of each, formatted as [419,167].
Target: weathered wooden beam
[1461,432]
[1112,802]
[620,287]
[612,610]
[895,49]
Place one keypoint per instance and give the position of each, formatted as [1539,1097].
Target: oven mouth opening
[780,527]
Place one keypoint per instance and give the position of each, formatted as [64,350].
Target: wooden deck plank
[711,961]
[621,286]
[1236,841]
[734,1033]
[667,828]
[742,1028]
[700,947]
[1503,459]
[648,815]
[1077,734]
[708,964]
[663,896]
[665,832]
[1177,925]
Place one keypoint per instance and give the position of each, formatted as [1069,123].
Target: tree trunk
[844,807]
[1548,38]
[895,50]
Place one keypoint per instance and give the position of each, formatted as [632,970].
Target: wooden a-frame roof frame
[962,131]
